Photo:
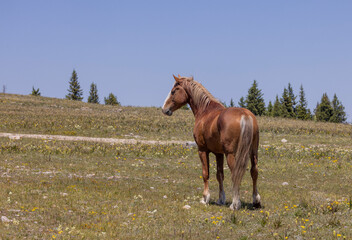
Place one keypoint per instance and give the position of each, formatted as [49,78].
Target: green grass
[82,190]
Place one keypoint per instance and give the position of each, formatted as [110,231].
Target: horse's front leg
[204,158]
[220,178]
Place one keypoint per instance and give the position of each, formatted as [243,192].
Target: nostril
[167,112]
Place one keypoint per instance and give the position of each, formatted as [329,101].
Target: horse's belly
[215,146]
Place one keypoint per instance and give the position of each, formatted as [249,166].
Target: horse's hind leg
[220,178]
[204,158]
[254,174]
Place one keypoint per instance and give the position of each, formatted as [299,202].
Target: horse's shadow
[244,205]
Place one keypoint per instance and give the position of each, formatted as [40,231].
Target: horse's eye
[172,92]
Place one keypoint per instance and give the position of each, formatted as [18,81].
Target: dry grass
[81,190]
[30,114]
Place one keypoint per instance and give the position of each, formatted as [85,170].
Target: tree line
[75,92]
[288,106]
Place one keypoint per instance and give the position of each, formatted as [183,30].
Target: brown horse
[219,130]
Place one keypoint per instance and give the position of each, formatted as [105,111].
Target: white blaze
[168,96]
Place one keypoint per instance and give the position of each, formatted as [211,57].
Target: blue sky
[132,48]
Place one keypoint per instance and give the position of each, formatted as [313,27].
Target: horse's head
[176,98]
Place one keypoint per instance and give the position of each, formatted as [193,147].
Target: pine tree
[269,110]
[324,110]
[242,103]
[276,108]
[223,103]
[292,98]
[93,94]
[287,110]
[111,100]
[338,114]
[232,104]
[35,92]
[255,101]
[185,107]
[74,92]
[302,112]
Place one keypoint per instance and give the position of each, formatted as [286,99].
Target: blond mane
[200,95]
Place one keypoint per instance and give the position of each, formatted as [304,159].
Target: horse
[232,132]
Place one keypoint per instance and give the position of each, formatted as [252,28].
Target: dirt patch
[17,136]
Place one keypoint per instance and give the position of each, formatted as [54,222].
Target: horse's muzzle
[167,112]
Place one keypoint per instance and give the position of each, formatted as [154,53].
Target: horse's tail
[243,148]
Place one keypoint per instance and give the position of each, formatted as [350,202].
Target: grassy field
[82,190]
[30,114]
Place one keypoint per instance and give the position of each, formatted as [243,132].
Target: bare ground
[17,136]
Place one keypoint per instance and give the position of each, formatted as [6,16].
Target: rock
[191,144]
[14,137]
[284,184]
[152,212]
[283,140]
[4,219]
[186,207]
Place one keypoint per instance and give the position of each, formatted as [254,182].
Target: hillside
[31,114]
[92,190]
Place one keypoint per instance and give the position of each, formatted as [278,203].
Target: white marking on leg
[205,199]
[236,202]
[236,205]
[256,198]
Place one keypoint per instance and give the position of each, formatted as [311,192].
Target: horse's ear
[179,76]
[177,79]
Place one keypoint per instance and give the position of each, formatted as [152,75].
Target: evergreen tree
[232,104]
[242,103]
[185,107]
[338,114]
[74,92]
[292,97]
[223,103]
[276,108]
[287,110]
[302,112]
[111,100]
[93,94]
[269,110]
[255,101]
[324,110]
[35,92]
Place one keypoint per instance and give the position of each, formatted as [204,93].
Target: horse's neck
[197,108]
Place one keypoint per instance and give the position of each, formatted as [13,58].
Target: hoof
[222,199]
[220,202]
[236,206]
[205,199]
[257,205]
[256,201]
